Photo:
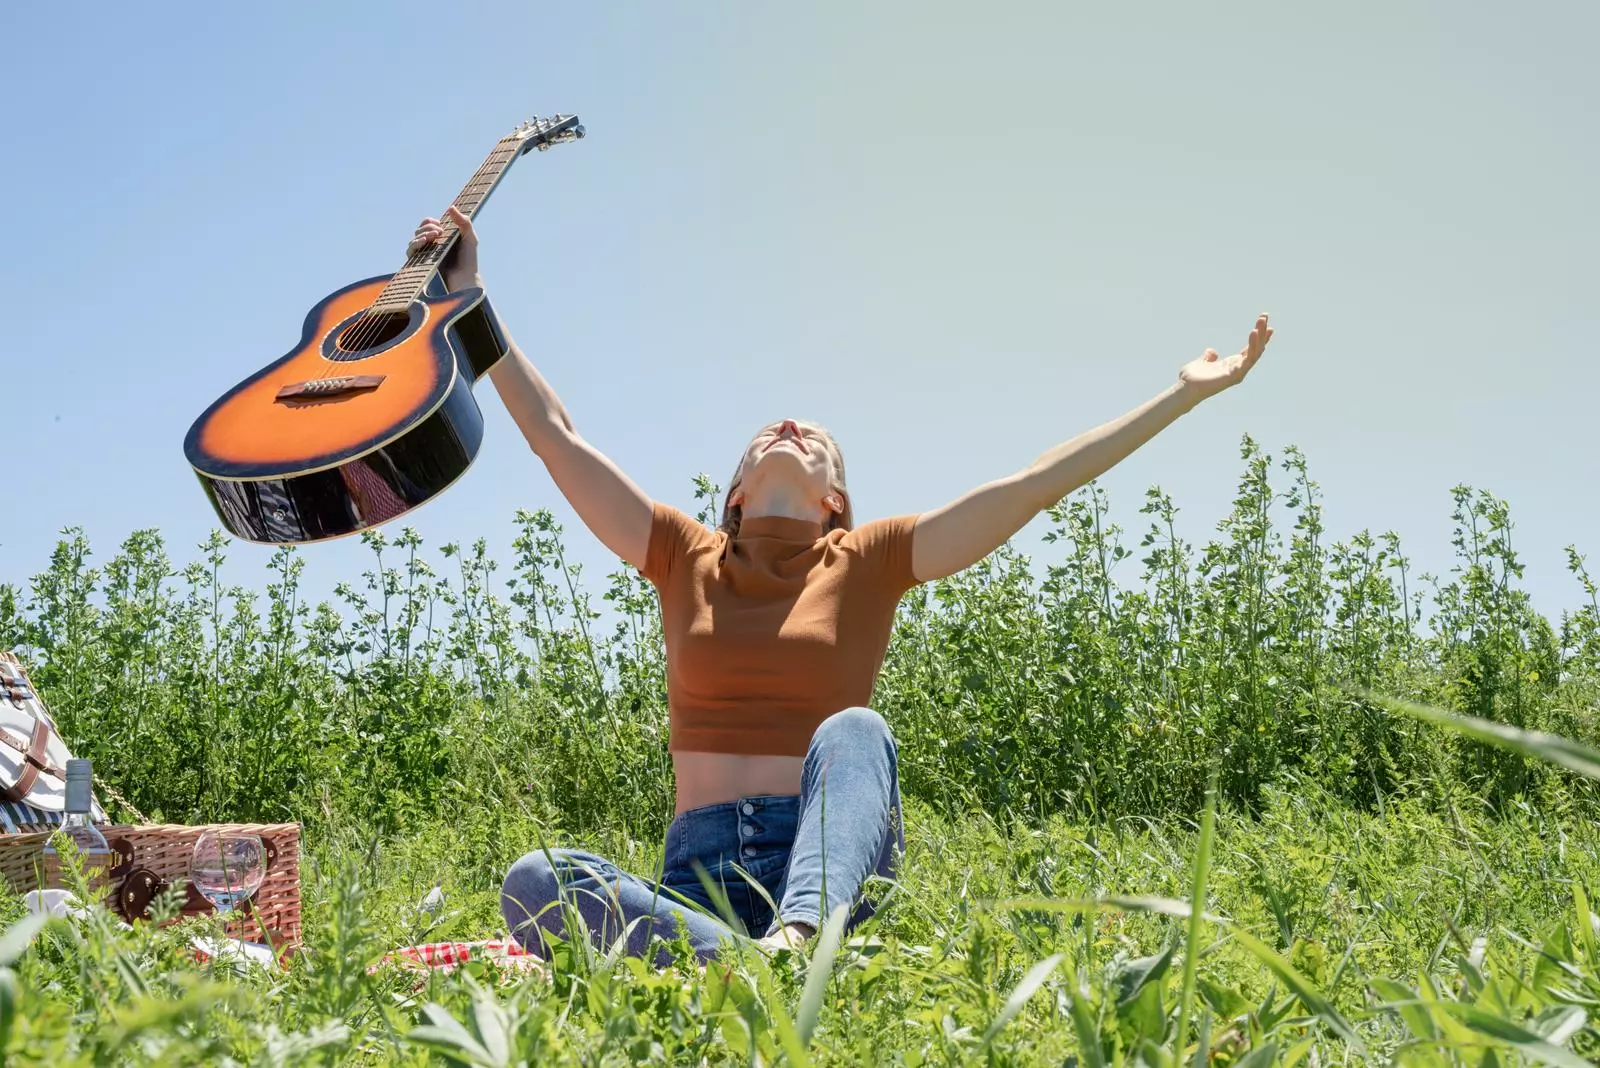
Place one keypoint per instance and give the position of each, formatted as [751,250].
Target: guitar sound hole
[371,331]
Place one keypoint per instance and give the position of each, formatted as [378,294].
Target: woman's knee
[854,726]
[533,881]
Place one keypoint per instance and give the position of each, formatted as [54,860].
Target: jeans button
[749,809]
[748,831]
[749,851]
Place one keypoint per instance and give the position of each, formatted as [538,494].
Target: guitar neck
[413,277]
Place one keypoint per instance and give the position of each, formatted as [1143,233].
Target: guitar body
[366,419]
[372,414]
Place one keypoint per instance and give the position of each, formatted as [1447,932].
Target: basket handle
[34,760]
[17,687]
[111,792]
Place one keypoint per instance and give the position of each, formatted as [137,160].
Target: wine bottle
[93,851]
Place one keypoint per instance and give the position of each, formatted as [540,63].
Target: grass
[1326,926]
[1276,800]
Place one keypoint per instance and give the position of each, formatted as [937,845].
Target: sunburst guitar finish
[362,440]
[373,413]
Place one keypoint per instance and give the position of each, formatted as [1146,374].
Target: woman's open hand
[1210,373]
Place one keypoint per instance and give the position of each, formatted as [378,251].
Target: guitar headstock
[542,133]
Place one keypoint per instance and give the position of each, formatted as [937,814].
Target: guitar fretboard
[408,282]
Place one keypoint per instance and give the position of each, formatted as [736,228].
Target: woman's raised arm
[610,504]
[971,527]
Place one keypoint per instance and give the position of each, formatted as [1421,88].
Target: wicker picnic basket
[149,857]
[153,856]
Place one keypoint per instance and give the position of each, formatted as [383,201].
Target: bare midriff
[714,778]
[768,632]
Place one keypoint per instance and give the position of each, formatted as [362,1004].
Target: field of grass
[1375,888]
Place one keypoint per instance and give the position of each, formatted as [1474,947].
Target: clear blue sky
[955,233]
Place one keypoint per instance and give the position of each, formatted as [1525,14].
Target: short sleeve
[885,545]
[673,536]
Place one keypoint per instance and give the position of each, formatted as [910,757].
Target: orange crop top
[774,630]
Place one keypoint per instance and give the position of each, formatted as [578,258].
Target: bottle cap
[80,785]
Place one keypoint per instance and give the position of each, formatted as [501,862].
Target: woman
[776,625]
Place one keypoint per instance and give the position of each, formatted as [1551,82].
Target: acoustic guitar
[372,414]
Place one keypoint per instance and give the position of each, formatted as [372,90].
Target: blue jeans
[820,845]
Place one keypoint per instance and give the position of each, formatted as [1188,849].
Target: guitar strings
[364,333]
[367,326]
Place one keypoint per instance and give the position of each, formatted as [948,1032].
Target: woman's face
[794,458]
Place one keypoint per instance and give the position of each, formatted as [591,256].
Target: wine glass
[227,868]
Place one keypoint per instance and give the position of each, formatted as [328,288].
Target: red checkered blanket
[447,956]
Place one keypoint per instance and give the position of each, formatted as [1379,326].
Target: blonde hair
[843,519]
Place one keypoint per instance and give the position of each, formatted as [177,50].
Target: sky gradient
[956,236]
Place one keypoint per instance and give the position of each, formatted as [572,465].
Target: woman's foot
[790,936]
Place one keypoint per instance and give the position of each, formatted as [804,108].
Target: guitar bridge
[329,388]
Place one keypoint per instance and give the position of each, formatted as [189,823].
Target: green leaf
[1580,904]
[1558,1023]
[736,1033]
[8,1006]
[293,1049]
[817,974]
[1308,994]
[132,978]
[1297,1053]
[1516,1036]
[459,1048]
[1202,1039]
[769,1008]
[1025,989]
[1541,746]
[19,936]
[1259,1057]
[1165,906]
[157,1015]
[1412,1012]
[1224,1001]
[788,1037]
[1134,975]
[1087,1029]
[490,1022]
[1143,1018]
[1153,1056]
[446,1034]
[1197,906]
[1451,1031]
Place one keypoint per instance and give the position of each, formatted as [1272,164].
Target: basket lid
[20,717]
